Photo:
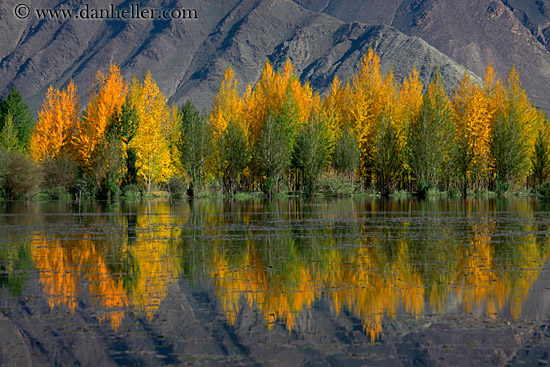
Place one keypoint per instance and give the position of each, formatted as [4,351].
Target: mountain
[472,32]
[187,57]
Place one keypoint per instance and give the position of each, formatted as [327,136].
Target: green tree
[540,158]
[272,151]
[428,137]
[124,123]
[235,155]
[346,156]
[8,136]
[107,167]
[387,160]
[508,148]
[193,144]
[311,152]
[461,160]
[21,116]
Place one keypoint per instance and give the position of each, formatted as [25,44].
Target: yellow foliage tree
[473,129]
[495,93]
[371,98]
[531,119]
[410,101]
[333,106]
[56,121]
[228,105]
[152,139]
[280,92]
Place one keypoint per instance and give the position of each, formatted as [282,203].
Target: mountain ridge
[188,58]
[506,33]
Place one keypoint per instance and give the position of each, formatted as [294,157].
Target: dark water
[347,282]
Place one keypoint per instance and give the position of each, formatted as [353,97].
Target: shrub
[176,186]
[544,191]
[337,183]
[19,175]
[59,174]
[131,191]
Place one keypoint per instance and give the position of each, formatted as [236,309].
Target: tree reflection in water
[372,259]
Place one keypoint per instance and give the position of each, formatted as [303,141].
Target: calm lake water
[324,282]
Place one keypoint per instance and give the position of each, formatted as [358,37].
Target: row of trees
[384,134]
[371,132]
[122,139]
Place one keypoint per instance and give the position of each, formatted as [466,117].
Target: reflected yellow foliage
[156,271]
[66,267]
[250,282]
[381,273]
[372,283]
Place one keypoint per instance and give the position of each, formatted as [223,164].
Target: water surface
[324,282]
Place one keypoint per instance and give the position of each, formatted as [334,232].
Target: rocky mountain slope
[187,57]
[472,32]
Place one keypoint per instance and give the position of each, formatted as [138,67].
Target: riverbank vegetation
[369,134]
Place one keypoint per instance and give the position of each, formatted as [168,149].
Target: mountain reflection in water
[375,261]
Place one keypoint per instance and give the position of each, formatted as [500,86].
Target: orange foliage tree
[56,122]
[107,95]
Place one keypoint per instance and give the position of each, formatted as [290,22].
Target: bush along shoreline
[367,135]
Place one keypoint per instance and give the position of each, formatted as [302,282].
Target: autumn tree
[56,123]
[151,141]
[281,93]
[409,103]
[370,96]
[228,105]
[472,134]
[124,124]
[22,120]
[333,106]
[107,95]
[530,119]
[496,94]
